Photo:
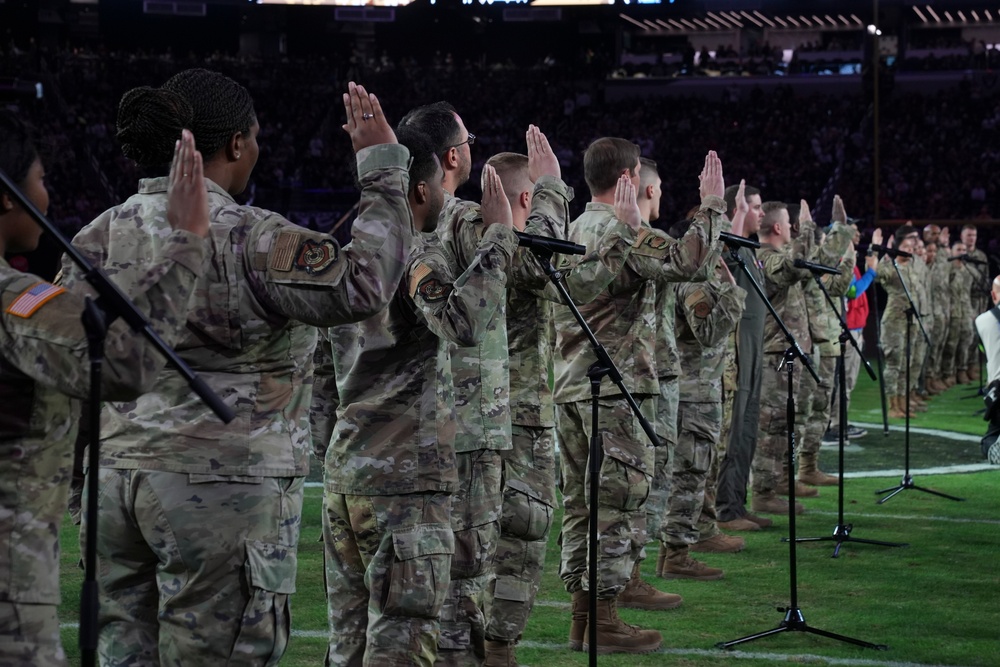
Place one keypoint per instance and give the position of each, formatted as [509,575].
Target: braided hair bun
[150,120]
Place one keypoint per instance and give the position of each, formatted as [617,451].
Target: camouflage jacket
[248,334]
[824,325]
[623,315]
[962,279]
[896,305]
[707,313]
[44,370]
[395,428]
[940,282]
[668,360]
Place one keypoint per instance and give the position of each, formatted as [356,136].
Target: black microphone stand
[794,619]
[842,531]
[907,481]
[603,366]
[111,303]
[880,361]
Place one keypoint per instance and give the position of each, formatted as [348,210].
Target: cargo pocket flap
[272,566]
[531,482]
[628,452]
[423,540]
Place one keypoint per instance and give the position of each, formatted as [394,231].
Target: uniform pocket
[269,572]
[527,503]
[420,571]
[625,477]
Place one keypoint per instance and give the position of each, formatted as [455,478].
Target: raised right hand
[366,124]
[626,206]
[495,207]
[542,160]
[711,181]
[187,196]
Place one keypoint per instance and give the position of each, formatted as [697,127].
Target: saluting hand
[187,196]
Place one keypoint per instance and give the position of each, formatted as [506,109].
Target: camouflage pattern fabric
[894,325]
[225,567]
[960,330]
[772,440]
[810,434]
[388,567]
[921,296]
[625,479]
[250,335]
[44,372]
[529,500]
[666,430]
[941,309]
[325,397]
[979,300]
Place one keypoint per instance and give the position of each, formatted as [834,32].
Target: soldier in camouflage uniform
[940,273]
[391,471]
[921,296]
[784,289]
[956,352]
[200,520]
[44,372]
[707,313]
[824,330]
[979,295]
[894,325]
[623,320]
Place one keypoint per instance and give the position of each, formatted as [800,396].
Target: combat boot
[770,503]
[616,636]
[809,472]
[896,410]
[740,523]
[680,565]
[801,490]
[640,594]
[578,623]
[721,543]
[961,377]
[500,654]
[950,381]
[916,403]
[761,521]
[973,372]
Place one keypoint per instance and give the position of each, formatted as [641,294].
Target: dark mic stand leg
[907,481]
[794,621]
[842,531]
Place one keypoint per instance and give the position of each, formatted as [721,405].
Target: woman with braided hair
[199,520]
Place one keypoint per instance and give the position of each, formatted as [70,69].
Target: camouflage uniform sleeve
[307,276]
[657,256]
[46,334]
[832,250]
[779,268]
[712,309]
[460,309]
[325,398]
[549,216]
[886,274]
[840,284]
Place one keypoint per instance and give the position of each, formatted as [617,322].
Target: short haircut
[437,122]
[512,168]
[904,231]
[772,211]
[423,167]
[730,196]
[969,226]
[605,160]
[648,173]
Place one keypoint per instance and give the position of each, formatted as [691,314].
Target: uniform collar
[159,184]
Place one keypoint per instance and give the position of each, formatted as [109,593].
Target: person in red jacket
[857,316]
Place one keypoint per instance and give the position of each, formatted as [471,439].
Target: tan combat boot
[616,636]
[680,565]
[770,503]
[720,543]
[973,372]
[500,654]
[578,624]
[640,594]
[809,472]
[961,377]
[801,490]
[740,523]
[761,521]
[916,403]
[896,411]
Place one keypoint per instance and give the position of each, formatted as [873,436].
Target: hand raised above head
[877,237]
[711,180]
[804,212]
[495,207]
[366,124]
[542,159]
[741,198]
[839,214]
[187,196]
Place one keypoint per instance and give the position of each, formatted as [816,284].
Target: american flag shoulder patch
[33,298]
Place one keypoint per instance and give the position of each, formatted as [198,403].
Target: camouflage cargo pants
[819,419]
[388,566]
[956,350]
[625,478]
[475,521]
[772,438]
[690,510]
[939,338]
[29,636]
[894,349]
[666,429]
[195,570]
[529,497]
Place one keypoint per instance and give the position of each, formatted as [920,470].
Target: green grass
[933,603]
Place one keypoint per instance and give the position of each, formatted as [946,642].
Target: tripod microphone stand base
[794,621]
[907,483]
[841,534]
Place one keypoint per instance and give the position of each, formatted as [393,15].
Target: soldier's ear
[420,193]
[6,204]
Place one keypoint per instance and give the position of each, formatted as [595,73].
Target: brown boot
[896,410]
[721,543]
[500,654]
[973,372]
[935,386]
[916,403]
[761,521]
[770,503]
[809,472]
[640,594]
[740,523]
[578,624]
[680,565]
[801,490]
[962,377]
[616,636]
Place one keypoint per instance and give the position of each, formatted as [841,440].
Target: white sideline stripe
[947,435]
[905,517]
[715,653]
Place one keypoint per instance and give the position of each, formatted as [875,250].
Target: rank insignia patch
[315,257]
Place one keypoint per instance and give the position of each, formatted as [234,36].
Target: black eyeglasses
[471,140]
